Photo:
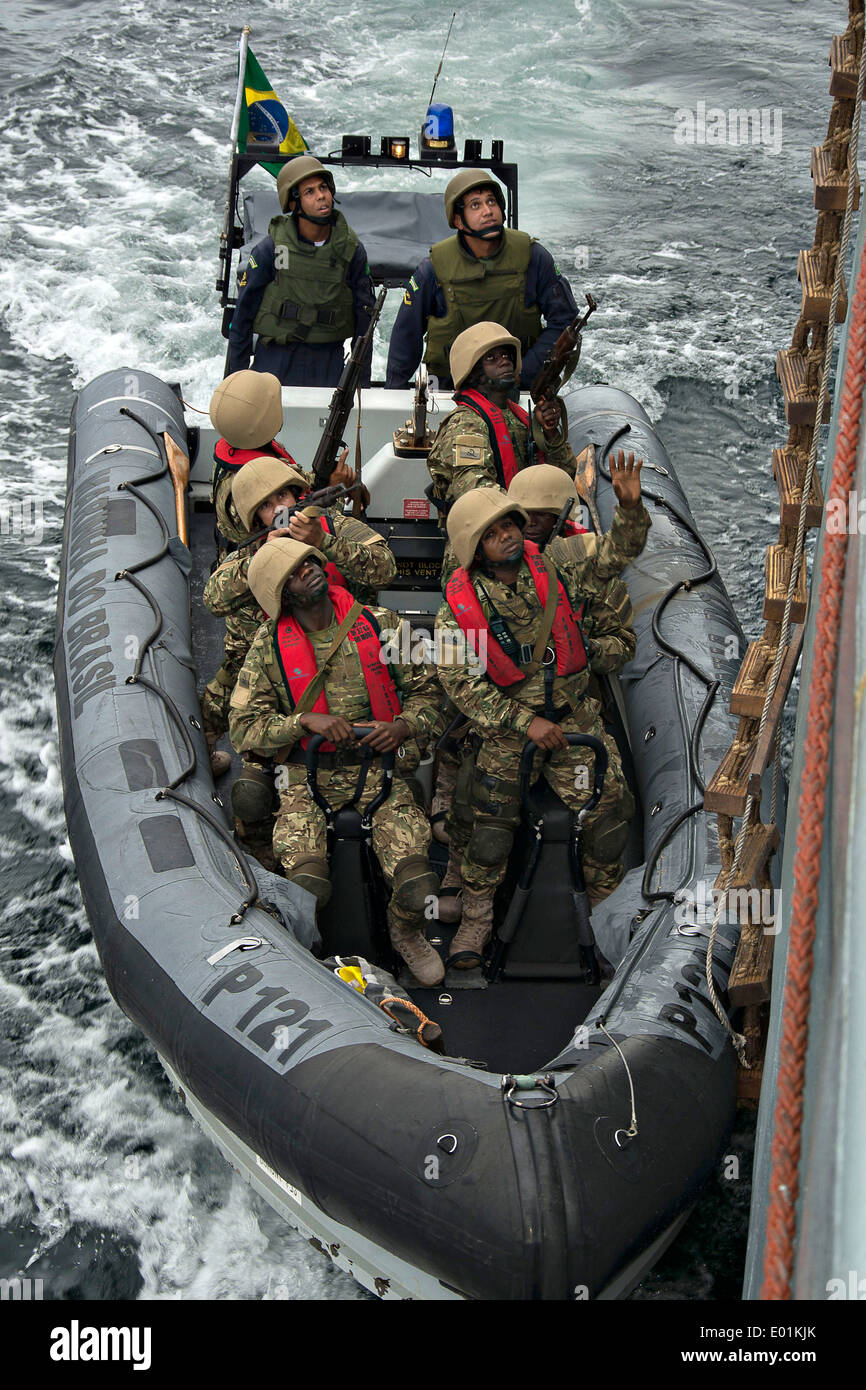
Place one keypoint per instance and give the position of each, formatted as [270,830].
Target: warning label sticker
[416,509]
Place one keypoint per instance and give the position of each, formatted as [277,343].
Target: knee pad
[312,874]
[490,842]
[253,795]
[605,839]
[414,883]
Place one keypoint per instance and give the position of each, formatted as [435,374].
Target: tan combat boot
[475,928]
[220,762]
[450,905]
[411,943]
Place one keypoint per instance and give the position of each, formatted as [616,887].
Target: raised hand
[625,476]
[343,475]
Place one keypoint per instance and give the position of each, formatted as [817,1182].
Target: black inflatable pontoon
[427,1176]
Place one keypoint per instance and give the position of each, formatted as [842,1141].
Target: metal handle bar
[599,770]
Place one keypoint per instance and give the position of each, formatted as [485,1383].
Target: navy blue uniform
[545,286]
[295,364]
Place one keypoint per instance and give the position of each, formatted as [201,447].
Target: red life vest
[334,575]
[297,661]
[229,460]
[571,528]
[567,636]
[500,440]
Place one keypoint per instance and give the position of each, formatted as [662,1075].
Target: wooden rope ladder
[735,788]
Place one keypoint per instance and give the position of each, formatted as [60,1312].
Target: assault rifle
[560,522]
[332,440]
[563,357]
[323,498]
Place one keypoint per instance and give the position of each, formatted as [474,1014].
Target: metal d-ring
[445,1147]
[530,1083]
[626,1133]
[549,656]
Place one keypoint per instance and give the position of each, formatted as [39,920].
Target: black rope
[712,684]
[170,792]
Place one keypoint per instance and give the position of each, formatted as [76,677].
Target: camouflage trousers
[400,828]
[486,809]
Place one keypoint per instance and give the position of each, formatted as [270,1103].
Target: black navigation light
[497,149]
[356,145]
[437,133]
[395,146]
[472,149]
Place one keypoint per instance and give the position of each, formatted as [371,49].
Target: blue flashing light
[439,122]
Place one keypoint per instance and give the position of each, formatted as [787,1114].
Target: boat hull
[298,1076]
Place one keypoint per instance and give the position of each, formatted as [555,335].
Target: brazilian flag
[264,119]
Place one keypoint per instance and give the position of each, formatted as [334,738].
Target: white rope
[631,1132]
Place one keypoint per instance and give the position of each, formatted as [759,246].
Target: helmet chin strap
[496,385]
[486,234]
[320,219]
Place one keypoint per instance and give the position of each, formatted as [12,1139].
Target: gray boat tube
[551,1192]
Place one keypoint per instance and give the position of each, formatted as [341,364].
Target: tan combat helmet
[271,566]
[463,182]
[471,515]
[292,173]
[542,488]
[257,481]
[470,346]
[247,409]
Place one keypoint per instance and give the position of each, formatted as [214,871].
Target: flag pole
[228,220]
[243,45]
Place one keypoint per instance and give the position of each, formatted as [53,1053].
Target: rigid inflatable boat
[559,1142]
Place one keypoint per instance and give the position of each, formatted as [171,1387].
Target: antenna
[442,59]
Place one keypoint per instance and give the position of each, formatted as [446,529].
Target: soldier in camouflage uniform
[247,411]
[595,561]
[499,576]
[271,716]
[357,558]
[543,492]
[484,442]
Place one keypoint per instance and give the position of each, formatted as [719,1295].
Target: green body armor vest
[308,300]
[479,290]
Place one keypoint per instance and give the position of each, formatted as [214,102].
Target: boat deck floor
[513,1025]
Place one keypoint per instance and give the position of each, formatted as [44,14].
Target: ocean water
[113,161]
